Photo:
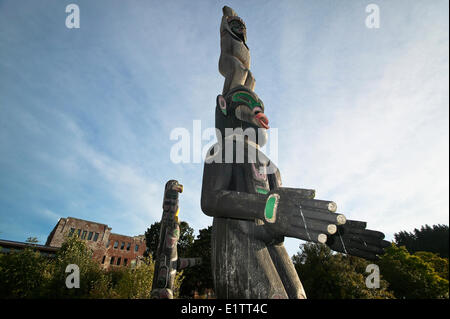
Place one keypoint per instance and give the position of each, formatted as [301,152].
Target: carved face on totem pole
[242,108]
[171,192]
[237,26]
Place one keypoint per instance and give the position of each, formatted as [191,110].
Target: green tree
[440,265]
[28,274]
[74,251]
[103,288]
[434,239]
[413,276]
[184,242]
[325,275]
[152,239]
[23,274]
[199,277]
[32,240]
[135,282]
[186,239]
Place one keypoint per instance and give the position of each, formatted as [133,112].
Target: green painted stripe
[270,205]
[245,98]
[270,211]
[262,190]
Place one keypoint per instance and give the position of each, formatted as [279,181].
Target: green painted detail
[270,205]
[224,111]
[270,211]
[262,190]
[246,98]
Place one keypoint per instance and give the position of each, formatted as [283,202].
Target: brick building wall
[109,249]
[123,250]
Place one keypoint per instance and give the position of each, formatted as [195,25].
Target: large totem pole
[242,190]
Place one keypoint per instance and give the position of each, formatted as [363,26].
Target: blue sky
[86,114]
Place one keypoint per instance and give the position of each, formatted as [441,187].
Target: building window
[136,248]
[118,261]
[90,235]
[128,246]
[72,230]
[107,244]
[96,236]
[84,234]
[103,260]
[112,260]
[125,261]
[116,244]
[122,246]
[78,233]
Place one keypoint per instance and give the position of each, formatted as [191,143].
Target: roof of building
[17,244]
[87,221]
[139,237]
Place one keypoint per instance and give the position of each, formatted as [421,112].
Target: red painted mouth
[262,119]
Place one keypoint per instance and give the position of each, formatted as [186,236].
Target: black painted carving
[252,211]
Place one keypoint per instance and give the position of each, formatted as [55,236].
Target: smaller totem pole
[166,261]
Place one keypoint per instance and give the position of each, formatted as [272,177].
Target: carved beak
[255,116]
[178,188]
[262,120]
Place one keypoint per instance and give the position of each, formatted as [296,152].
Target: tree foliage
[152,239]
[415,276]
[440,265]
[32,240]
[184,242]
[27,274]
[326,275]
[134,282]
[73,251]
[186,239]
[433,239]
[199,277]
[23,274]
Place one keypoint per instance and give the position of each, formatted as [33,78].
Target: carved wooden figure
[166,258]
[234,62]
[252,212]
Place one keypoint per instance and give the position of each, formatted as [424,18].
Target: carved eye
[257,110]
[222,104]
